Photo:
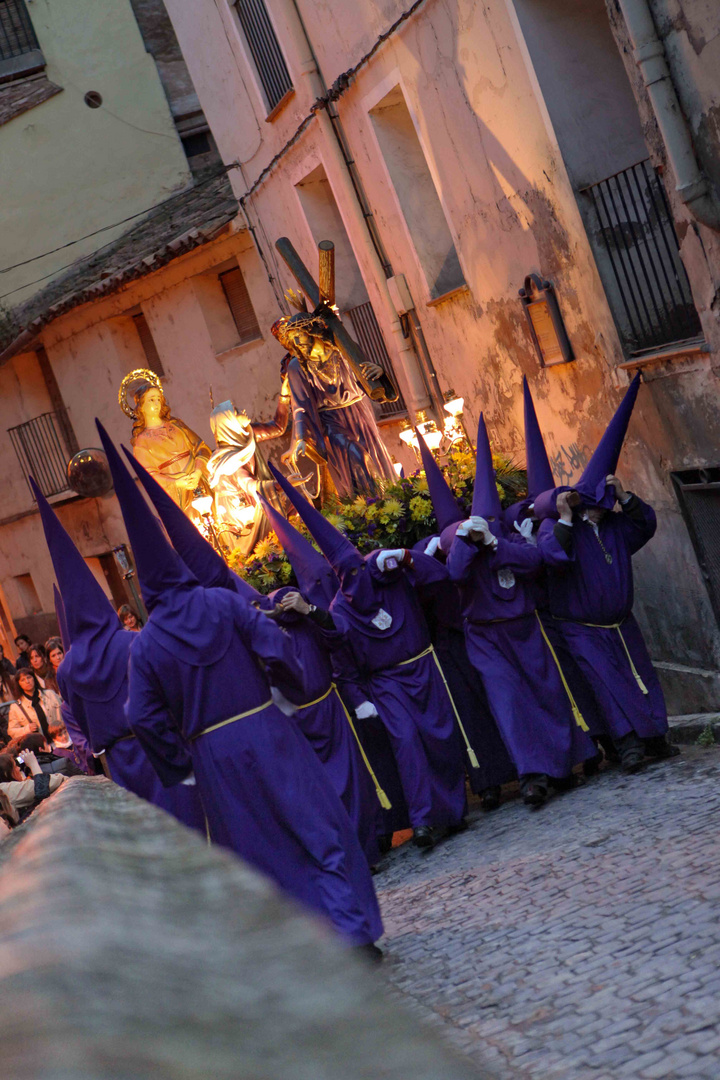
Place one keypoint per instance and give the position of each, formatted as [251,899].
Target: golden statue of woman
[170,451]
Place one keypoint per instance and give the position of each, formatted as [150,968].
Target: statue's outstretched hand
[371,371]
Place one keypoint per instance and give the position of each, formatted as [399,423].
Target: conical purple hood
[91,623]
[199,556]
[337,549]
[591,485]
[61,618]
[159,566]
[539,472]
[446,507]
[486,501]
[316,578]
[183,618]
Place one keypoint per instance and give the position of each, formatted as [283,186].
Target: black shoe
[591,767]
[632,753]
[659,749]
[370,952]
[423,837]
[534,790]
[608,747]
[385,843]
[458,827]
[490,798]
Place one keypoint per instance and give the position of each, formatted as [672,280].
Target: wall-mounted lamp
[545,320]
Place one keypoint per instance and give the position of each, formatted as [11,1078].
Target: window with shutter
[238,298]
[265,50]
[152,356]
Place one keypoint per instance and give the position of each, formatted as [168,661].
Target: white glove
[189,781]
[398,554]
[366,710]
[525,528]
[286,707]
[433,545]
[473,527]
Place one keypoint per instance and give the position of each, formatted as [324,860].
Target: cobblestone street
[578,941]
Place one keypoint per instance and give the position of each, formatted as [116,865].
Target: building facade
[456,155]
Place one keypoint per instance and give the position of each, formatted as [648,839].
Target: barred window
[238,298]
[265,50]
[16,31]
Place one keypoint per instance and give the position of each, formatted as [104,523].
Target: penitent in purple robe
[584,586]
[107,728]
[322,717]
[384,623]
[264,791]
[445,617]
[505,644]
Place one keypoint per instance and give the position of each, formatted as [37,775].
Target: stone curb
[686,730]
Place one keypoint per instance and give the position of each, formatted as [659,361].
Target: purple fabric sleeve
[265,639]
[154,725]
[520,557]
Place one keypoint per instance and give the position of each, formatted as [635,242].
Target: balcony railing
[40,448]
[366,331]
[16,31]
[631,227]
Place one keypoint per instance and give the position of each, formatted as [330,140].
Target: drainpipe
[415,390]
[692,185]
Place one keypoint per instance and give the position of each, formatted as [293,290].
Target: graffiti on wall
[568,461]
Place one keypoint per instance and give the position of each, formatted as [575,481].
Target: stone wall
[129,948]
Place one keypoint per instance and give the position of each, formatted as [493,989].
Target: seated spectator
[39,663]
[27,715]
[55,653]
[22,641]
[129,619]
[25,793]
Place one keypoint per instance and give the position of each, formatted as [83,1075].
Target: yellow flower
[420,508]
[371,512]
[420,483]
[359,506]
[285,572]
[337,521]
[392,507]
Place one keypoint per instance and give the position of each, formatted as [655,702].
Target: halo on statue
[138,375]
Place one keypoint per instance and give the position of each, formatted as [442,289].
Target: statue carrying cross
[331,384]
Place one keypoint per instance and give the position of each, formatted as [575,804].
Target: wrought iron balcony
[632,231]
[40,446]
[16,30]
[366,331]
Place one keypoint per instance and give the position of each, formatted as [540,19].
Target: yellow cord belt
[613,626]
[579,719]
[430,651]
[232,719]
[382,797]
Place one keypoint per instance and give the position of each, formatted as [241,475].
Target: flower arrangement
[398,517]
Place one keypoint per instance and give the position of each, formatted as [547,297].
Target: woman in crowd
[34,709]
[55,653]
[38,662]
[129,619]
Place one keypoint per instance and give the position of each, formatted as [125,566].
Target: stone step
[689,727]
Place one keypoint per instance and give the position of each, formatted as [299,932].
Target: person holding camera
[23,782]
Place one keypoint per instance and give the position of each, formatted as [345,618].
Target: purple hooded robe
[404,682]
[324,721]
[585,587]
